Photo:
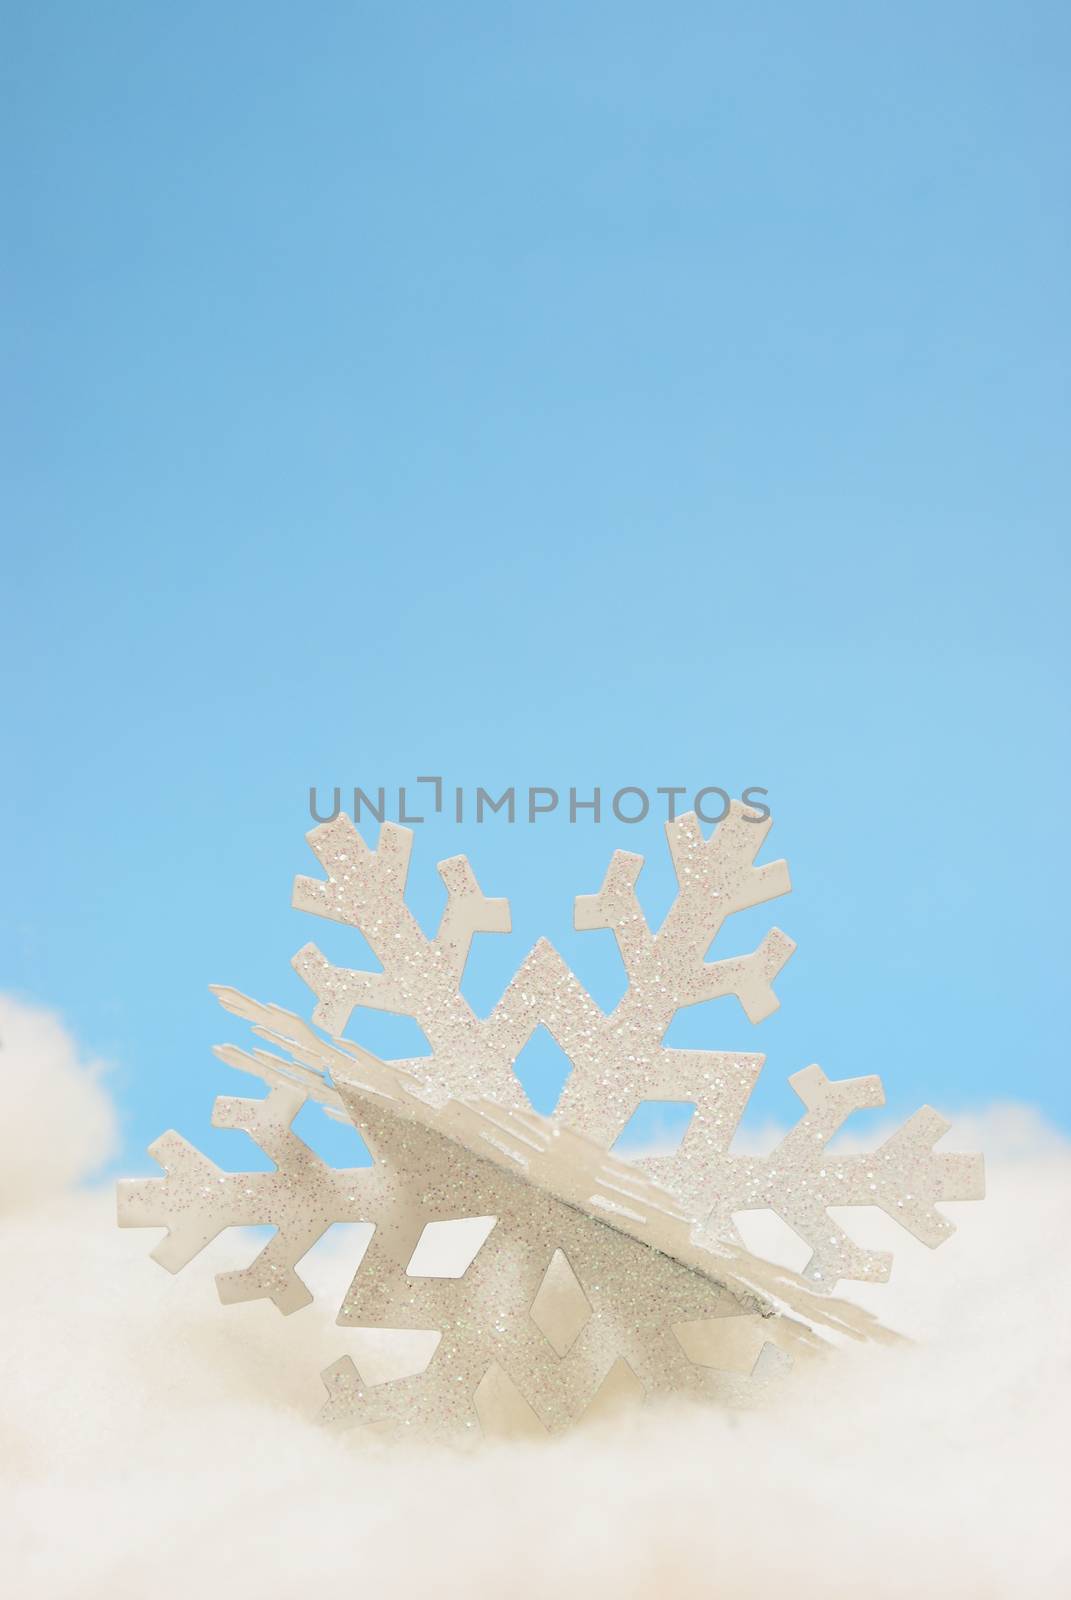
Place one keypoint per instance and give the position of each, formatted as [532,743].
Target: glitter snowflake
[592,1280]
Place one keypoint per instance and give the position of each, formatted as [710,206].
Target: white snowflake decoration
[594,1281]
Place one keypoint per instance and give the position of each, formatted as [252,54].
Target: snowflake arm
[801,1179]
[421,977]
[366,889]
[195,1200]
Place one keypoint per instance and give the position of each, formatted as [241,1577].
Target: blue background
[540,394]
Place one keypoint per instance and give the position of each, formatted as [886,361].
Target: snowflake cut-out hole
[561,1310]
[448,1249]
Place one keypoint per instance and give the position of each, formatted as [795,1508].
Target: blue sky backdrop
[540,394]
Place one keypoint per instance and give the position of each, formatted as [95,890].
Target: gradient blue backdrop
[540,393]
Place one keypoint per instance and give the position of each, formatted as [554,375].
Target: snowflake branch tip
[750,978]
[353,871]
[468,912]
[722,868]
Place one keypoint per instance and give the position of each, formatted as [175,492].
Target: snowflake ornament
[596,1278]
